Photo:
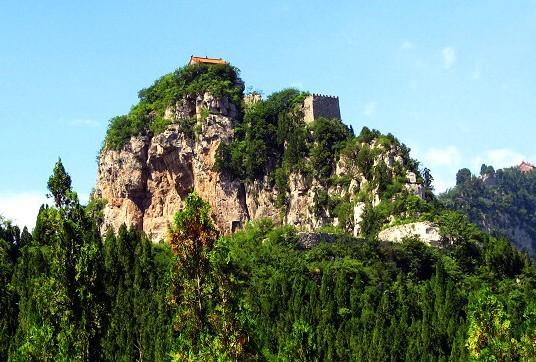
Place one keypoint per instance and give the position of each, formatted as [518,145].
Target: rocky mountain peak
[261,162]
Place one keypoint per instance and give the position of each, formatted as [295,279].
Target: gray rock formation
[426,231]
[146,181]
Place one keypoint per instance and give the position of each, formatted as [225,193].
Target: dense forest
[69,294]
[501,202]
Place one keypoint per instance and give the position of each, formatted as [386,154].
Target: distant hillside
[501,202]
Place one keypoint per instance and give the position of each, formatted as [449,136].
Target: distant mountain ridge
[501,202]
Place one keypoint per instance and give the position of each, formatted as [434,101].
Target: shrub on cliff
[147,115]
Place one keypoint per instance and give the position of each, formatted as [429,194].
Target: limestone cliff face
[146,181]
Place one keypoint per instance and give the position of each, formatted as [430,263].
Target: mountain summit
[288,157]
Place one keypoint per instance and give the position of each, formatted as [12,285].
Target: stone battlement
[324,95]
[319,105]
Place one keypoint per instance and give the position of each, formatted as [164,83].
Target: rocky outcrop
[359,210]
[146,181]
[426,231]
[413,186]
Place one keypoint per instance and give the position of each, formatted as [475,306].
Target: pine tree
[58,280]
[59,184]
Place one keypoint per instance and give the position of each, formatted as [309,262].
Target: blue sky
[454,80]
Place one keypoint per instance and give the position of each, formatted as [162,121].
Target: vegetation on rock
[501,202]
[271,147]
[272,133]
[192,80]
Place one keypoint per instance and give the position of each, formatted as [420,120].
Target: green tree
[58,278]
[490,329]
[59,185]
[191,238]
[463,176]
[427,184]
[9,250]
[138,318]
[486,170]
[207,316]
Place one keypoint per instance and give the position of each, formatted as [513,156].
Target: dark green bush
[272,133]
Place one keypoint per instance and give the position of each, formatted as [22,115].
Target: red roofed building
[206,60]
[526,167]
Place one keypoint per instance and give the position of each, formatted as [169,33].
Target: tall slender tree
[59,184]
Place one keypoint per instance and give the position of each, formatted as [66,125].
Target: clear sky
[454,80]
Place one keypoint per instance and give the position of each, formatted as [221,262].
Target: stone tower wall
[318,105]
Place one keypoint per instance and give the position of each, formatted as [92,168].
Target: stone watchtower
[319,105]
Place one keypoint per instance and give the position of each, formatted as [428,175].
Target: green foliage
[365,161]
[374,218]
[321,201]
[202,294]
[204,113]
[382,178]
[191,238]
[272,132]
[344,211]
[77,299]
[427,185]
[159,125]
[490,332]
[10,244]
[281,176]
[328,136]
[258,294]
[137,316]
[367,135]
[486,170]
[502,202]
[374,137]
[273,140]
[121,128]
[95,209]
[192,80]
[58,279]
[463,176]
[59,185]
[358,300]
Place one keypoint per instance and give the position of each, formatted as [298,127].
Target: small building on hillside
[526,167]
[205,60]
[319,105]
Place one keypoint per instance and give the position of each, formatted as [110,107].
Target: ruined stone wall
[318,105]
